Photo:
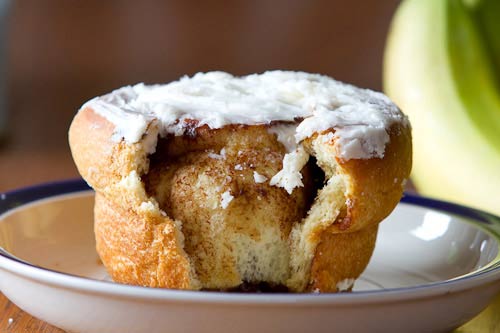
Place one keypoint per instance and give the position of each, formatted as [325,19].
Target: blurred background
[57,54]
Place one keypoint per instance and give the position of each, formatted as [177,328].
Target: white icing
[360,132]
[285,133]
[220,156]
[360,117]
[290,177]
[226,198]
[116,107]
[258,178]
[150,139]
[147,206]
[238,167]
[328,137]
[215,156]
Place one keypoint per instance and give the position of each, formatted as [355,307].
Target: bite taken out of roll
[219,182]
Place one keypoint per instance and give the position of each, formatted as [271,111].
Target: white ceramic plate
[436,265]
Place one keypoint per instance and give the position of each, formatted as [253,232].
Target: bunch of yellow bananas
[442,67]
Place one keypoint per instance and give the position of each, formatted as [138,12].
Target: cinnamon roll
[217,182]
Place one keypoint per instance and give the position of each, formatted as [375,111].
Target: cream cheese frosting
[310,102]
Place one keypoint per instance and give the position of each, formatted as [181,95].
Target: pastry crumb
[258,177]
[226,198]
[220,156]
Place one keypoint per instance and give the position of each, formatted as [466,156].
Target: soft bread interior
[237,228]
[236,225]
[328,205]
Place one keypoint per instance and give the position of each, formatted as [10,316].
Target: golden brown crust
[100,160]
[340,257]
[136,243]
[140,249]
[375,185]
[140,242]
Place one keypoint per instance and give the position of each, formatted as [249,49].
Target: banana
[439,67]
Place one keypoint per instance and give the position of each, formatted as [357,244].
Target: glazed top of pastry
[310,102]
